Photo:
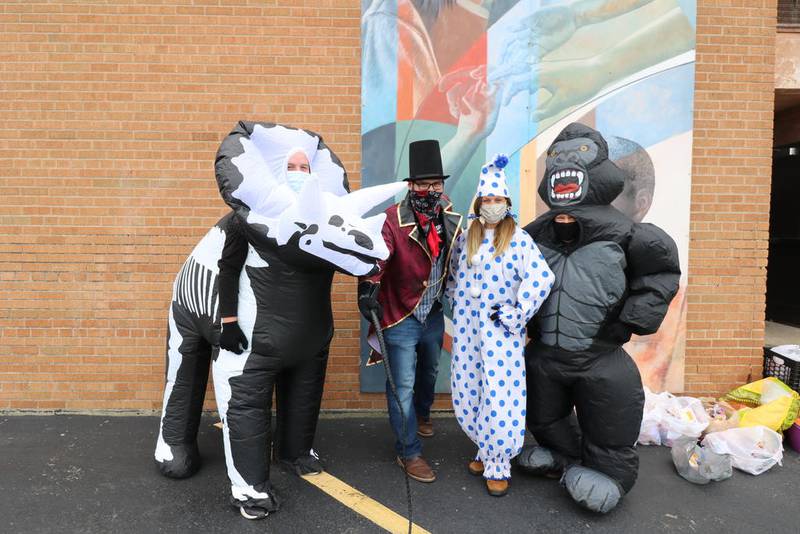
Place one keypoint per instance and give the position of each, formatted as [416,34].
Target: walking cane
[379,333]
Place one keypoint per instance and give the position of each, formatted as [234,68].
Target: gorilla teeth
[567,196]
[576,174]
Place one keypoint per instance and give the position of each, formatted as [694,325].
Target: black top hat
[425,160]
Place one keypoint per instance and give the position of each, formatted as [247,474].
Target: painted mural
[506,76]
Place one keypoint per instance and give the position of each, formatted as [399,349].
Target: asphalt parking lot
[70,473]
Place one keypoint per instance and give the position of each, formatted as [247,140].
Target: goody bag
[700,465]
[668,418]
[753,449]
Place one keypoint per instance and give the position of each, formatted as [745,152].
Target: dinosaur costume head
[319,225]
[578,171]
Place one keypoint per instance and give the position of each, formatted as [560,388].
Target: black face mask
[425,202]
[566,232]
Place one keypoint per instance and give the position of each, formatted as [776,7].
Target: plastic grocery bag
[700,465]
[668,418]
[683,417]
[650,431]
[776,404]
[753,449]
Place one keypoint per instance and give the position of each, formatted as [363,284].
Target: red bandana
[433,239]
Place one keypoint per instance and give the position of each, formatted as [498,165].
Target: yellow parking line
[361,504]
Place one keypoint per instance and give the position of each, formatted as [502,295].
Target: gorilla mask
[578,171]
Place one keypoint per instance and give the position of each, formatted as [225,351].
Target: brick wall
[110,116]
[111,113]
[730,193]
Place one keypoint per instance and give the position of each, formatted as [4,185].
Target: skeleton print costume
[488,364]
[295,242]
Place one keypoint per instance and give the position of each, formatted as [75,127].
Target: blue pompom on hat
[492,180]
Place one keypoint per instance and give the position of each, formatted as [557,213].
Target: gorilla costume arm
[653,276]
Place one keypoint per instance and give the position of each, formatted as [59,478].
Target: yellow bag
[776,404]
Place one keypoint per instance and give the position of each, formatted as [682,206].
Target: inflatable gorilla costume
[614,277]
[295,243]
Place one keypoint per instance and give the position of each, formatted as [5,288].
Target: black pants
[298,394]
[605,389]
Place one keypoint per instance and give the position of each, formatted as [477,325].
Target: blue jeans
[414,349]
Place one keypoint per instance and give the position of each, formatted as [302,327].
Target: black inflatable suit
[614,277]
[296,239]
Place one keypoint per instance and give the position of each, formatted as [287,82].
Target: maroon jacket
[404,274]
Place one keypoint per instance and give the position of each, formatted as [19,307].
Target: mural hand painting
[507,76]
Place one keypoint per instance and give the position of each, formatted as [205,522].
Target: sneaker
[252,512]
[497,488]
[475,467]
[257,507]
[417,468]
[309,464]
[425,427]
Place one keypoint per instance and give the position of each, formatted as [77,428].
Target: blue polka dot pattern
[487,366]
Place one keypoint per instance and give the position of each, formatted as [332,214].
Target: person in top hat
[406,294]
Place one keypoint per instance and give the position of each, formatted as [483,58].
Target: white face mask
[493,213]
[296,179]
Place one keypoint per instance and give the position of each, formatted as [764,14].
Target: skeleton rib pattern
[194,289]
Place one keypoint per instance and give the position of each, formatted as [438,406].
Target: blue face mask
[296,179]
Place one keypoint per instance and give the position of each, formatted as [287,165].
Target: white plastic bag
[682,417]
[668,418]
[754,449]
[650,431]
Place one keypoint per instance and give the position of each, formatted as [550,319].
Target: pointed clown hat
[492,181]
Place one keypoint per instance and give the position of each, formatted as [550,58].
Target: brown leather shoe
[424,427]
[475,467]
[497,488]
[417,468]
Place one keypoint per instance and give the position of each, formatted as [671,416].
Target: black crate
[782,368]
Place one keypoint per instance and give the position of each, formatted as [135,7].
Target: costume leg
[610,402]
[188,358]
[298,396]
[466,379]
[501,421]
[429,349]
[550,403]
[243,384]
[401,343]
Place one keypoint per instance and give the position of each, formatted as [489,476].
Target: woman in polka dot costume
[498,279]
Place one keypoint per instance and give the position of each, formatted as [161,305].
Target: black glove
[368,300]
[616,332]
[232,338]
[495,315]
[507,316]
